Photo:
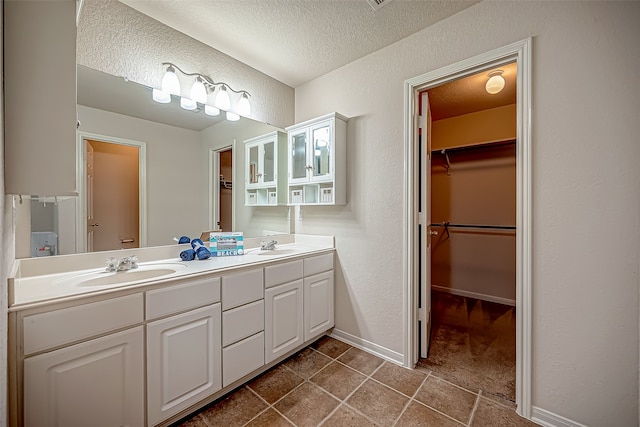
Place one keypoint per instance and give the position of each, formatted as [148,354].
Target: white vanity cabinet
[184,360]
[317,161]
[75,375]
[283,298]
[265,170]
[242,324]
[40,97]
[318,295]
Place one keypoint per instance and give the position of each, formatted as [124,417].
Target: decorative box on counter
[226,243]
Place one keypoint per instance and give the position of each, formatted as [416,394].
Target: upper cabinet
[266,170]
[40,97]
[317,161]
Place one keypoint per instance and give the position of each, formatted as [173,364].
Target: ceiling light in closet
[495,84]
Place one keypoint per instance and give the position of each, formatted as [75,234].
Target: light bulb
[244,107]
[161,96]
[222,99]
[170,82]
[232,117]
[198,91]
[495,83]
[211,111]
[188,104]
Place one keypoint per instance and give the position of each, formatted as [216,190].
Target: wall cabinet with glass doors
[265,170]
[317,161]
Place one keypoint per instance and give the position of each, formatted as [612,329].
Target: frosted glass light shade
[244,106]
[170,82]
[495,84]
[222,99]
[161,97]
[232,117]
[199,92]
[211,111]
[188,104]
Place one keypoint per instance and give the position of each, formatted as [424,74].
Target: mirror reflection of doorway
[112,196]
[225,217]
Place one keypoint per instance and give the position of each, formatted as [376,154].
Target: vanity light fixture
[202,87]
[495,84]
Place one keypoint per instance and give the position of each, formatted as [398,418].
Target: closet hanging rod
[491,227]
[498,143]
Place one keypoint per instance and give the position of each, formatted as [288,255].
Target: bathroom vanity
[89,347]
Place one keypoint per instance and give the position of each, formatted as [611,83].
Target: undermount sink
[284,250]
[104,278]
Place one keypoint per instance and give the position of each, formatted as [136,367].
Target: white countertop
[39,281]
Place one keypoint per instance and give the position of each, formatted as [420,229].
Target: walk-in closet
[472,231]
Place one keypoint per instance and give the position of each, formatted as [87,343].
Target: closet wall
[477,186]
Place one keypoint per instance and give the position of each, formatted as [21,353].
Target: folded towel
[196,243]
[188,255]
[202,252]
[182,239]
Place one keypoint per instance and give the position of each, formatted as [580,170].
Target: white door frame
[214,186]
[520,52]
[81,172]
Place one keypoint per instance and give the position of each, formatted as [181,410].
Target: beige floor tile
[492,414]
[404,380]
[361,360]
[307,405]
[307,363]
[347,417]
[269,418]
[378,402]
[330,346]
[338,380]
[196,421]
[234,410]
[275,383]
[447,398]
[418,415]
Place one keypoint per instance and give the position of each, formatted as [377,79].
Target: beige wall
[586,203]
[6,248]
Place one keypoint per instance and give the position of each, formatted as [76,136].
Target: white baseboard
[368,346]
[484,297]
[549,419]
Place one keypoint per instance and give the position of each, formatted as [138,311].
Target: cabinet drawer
[318,264]
[242,322]
[182,297]
[47,330]
[241,288]
[282,273]
[242,358]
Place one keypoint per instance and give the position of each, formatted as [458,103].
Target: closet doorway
[420,235]
[471,193]
[221,189]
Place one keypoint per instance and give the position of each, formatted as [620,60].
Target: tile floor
[331,383]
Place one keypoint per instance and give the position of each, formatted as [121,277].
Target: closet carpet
[331,383]
[473,343]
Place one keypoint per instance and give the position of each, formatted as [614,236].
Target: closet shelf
[487,144]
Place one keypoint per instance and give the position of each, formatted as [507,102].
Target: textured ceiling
[295,41]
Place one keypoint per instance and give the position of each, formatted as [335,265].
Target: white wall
[176,183]
[119,40]
[586,203]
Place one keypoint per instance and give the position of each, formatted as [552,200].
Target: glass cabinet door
[252,170]
[268,163]
[321,151]
[299,156]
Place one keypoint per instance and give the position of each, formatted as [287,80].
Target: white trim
[476,295]
[81,171]
[368,346]
[549,419]
[521,53]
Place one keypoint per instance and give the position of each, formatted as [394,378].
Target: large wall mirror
[167,168]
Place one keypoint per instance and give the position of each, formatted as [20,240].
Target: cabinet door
[253,168]
[321,152]
[269,163]
[299,162]
[318,304]
[95,383]
[183,361]
[283,319]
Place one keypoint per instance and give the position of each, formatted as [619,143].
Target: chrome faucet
[126,263]
[268,246]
